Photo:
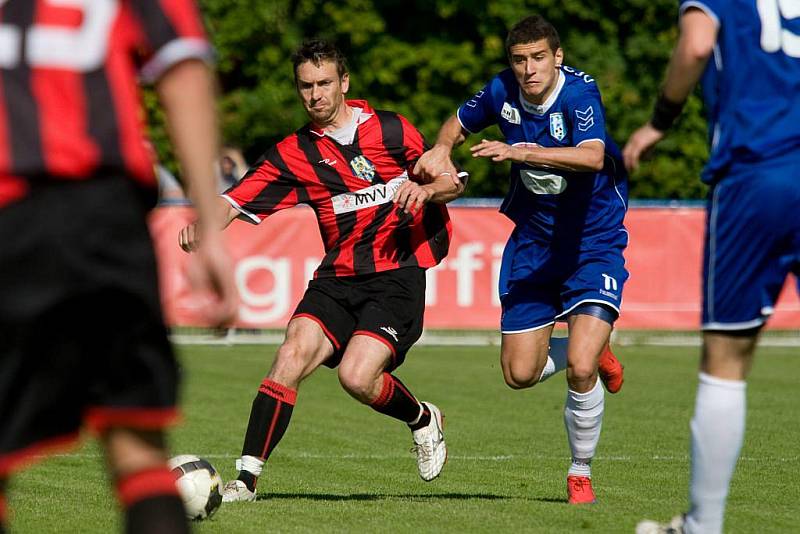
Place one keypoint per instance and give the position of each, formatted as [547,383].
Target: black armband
[665,112]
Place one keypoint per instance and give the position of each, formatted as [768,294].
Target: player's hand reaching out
[639,143]
[210,270]
[497,150]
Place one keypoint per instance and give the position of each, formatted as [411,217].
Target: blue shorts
[752,243]
[542,283]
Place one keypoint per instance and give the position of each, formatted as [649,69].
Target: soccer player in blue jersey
[567,198]
[751,89]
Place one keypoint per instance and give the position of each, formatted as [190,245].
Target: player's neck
[342,118]
[541,99]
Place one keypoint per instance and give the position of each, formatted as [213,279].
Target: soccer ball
[199,485]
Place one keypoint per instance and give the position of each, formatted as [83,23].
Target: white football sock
[717,434]
[583,417]
[556,359]
[251,464]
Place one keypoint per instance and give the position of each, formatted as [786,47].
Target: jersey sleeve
[586,116]
[172,31]
[479,111]
[712,8]
[268,187]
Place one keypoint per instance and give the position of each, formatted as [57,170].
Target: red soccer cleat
[610,370]
[580,490]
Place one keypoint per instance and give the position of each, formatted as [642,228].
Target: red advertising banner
[274,261]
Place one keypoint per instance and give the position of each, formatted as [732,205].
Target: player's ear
[345,82]
[559,57]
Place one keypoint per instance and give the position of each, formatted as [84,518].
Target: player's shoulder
[578,86]
[576,80]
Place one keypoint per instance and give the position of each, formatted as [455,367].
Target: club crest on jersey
[558,130]
[363,168]
[510,114]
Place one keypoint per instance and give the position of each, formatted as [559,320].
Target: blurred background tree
[423,58]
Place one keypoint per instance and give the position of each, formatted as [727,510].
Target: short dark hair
[317,51]
[532,29]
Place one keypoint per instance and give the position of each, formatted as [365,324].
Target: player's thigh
[523,355]
[362,365]
[588,336]
[529,289]
[41,391]
[319,329]
[598,278]
[752,243]
[304,349]
[391,310]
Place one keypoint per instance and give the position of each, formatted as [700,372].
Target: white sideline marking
[478,458]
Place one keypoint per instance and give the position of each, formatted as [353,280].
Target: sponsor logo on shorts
[374,195]
[609,284]
[391,331]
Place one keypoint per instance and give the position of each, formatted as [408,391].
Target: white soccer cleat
[652,527]
[236,491]
[429,445]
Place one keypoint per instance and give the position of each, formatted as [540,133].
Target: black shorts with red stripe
[388,306]
[82,339]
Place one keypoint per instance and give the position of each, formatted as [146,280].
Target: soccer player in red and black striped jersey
[381,230]
[82,339]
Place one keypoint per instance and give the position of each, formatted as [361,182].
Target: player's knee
[290,362]
[357,380]
[581,371]
[520,377]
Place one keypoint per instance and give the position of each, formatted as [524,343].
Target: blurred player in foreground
[567,198]
[381,229]
[747,54]
[82,339]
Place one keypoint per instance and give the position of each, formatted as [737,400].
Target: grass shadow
[381,496]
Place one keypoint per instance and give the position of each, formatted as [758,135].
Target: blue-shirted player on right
[748,54]
[567,197]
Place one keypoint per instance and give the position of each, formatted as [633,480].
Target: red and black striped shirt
[350,187]
[69,102]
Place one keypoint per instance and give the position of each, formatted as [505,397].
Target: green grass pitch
[343,468]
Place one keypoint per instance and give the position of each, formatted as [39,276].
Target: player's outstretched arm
[588,157]
[436,162]
[693,50]
[187,95]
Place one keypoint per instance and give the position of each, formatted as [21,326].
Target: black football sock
[269,418]
[3,507]
[151,502]
[395,400]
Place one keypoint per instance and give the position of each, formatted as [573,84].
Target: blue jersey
[547,203]
[751,85]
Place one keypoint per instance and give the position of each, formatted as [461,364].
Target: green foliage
[423,58]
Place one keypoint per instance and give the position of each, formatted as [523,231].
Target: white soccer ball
[198,483]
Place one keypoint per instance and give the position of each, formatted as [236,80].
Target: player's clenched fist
[411,196]
[189,238]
